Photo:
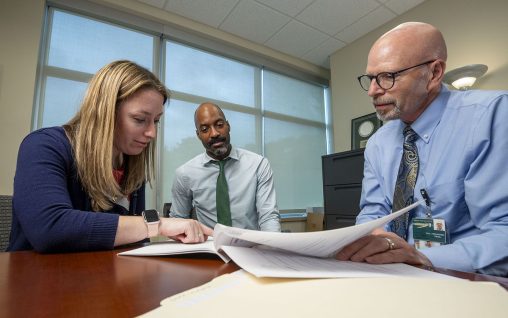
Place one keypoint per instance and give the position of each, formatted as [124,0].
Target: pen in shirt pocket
[426,197]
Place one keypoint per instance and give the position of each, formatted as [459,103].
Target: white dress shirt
[251,190]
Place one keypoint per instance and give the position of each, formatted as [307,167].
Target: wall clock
[362,128]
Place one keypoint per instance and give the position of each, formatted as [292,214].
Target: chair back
[166,209]
[5,220]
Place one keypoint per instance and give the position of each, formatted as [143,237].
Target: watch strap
[153,229]
[152,220]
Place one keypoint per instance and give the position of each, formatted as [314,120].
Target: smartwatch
[152,221]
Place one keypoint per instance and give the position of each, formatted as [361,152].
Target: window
[295,138]
[288,114]
[195,72]
[271,114]
[77,47]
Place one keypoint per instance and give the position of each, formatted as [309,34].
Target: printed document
[275,254]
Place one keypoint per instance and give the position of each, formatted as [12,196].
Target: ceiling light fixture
[464,77]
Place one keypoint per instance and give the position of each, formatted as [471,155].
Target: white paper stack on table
[296,255]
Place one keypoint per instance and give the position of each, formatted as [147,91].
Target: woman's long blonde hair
[91,133]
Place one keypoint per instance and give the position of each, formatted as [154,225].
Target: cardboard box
[293,220]
[315,219]
[293,225]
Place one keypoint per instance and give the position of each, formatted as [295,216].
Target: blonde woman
[82,186]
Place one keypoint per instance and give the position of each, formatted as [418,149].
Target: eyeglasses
[385,80]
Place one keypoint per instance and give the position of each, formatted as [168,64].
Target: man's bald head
[207,107]
[410,43]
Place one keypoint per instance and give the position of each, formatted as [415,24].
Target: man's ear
[197,133]
[229,126]
[438,70]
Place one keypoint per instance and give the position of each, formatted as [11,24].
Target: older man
[452,145]
[226,185]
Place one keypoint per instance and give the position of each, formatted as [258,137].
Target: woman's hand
[184,230]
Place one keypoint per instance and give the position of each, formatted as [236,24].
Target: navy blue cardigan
[51,211]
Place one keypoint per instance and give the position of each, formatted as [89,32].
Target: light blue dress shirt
[463,153]
[251,190]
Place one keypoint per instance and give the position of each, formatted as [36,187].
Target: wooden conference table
[102,284]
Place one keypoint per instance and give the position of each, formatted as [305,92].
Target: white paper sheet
[174,248]
[262,262]
[274,254]
[318,244]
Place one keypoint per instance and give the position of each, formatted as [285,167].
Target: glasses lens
[385,80]
[365,82]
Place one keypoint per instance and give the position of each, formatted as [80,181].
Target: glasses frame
[392,75]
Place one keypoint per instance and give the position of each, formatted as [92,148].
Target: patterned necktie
[222,196]
[406,180]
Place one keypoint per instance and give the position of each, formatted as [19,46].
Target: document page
[324,244]
[174,248]
[275,254]
[263,262]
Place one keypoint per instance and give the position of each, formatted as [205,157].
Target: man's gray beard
[220,151]
[390,115]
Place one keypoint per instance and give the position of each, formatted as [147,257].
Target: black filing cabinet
[342,187]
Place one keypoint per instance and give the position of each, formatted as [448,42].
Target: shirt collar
[206,159]
[426,124]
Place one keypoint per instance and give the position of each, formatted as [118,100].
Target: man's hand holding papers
[382,247]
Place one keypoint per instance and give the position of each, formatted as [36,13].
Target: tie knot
[220,163]
[409,134]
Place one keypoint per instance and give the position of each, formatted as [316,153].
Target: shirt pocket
[448,202]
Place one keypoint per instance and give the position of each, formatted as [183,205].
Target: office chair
[166,209]
[5,220]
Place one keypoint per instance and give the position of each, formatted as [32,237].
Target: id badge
[428,232]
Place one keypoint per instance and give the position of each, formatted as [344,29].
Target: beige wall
[20,32]
[475,31]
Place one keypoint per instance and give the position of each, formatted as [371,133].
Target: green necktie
[406,180]
[222,197]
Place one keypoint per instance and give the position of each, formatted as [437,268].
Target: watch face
[151,216]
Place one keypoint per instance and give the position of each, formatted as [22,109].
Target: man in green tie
[225,184]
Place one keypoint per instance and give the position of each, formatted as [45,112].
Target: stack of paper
[303,255]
